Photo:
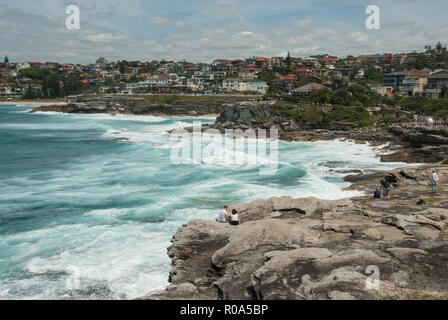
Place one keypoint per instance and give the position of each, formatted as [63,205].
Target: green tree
[29,93]
[353,72]
[322,96]
[342,96]
[444,92]
[71,85]
[6,60]
[54,86]
[33,73]
[267,75]
[374,74]
[288,62]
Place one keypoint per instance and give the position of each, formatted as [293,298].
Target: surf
[100,195]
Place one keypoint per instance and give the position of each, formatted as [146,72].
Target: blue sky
[203,30]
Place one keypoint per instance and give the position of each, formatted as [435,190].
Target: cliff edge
[308,248]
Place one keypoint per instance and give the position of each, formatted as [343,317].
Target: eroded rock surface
[308,248]
[140,106]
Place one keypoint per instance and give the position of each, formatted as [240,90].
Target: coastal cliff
[149,105]
[309,248]
[404,142]
[319,249]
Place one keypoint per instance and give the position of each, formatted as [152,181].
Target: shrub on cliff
[358,115]
[420,105]
[320,115]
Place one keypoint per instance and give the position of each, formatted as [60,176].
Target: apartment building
[414,84]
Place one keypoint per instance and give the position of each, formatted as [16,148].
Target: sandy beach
[34,103]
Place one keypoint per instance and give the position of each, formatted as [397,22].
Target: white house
[360,74]
[234,84]
[159,79]
[23,65]
[257,85]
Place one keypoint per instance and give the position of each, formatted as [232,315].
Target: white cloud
[104,37]
[222,9]
[165,21]
[302,23]
[35,30]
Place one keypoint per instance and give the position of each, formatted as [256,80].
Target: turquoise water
[97,197]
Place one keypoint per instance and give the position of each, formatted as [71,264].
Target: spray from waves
[121,117]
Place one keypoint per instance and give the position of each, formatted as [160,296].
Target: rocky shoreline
[139,106]
[309,248]
[405,143]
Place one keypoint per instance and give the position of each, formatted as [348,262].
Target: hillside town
[413,74]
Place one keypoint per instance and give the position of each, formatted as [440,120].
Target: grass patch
[323,114]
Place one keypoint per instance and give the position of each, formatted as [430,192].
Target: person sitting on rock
[234,218]
[223,215]
[377,194]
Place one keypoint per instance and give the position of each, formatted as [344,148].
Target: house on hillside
[436,83]
[248,73]
[414,84]
[261,62]
[307,89]
[257,85]
[287,81]
[234,84]
[395,79]
[275,62]
[303,72]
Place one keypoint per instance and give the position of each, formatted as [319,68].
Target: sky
[205,30]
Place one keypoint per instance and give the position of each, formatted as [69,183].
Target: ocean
[89,203]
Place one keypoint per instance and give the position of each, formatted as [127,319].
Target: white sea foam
[112,215]
[120,117]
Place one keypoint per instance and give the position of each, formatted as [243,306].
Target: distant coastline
[37,103]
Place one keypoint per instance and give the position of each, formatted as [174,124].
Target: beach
[36,103]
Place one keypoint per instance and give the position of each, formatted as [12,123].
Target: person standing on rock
[434,181]
[223,215]
[386,188]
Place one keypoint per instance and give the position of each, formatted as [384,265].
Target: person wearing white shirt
[234,218]
[434,181]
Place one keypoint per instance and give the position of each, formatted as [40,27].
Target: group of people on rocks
[232,218]
[382,191]
[384,188]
